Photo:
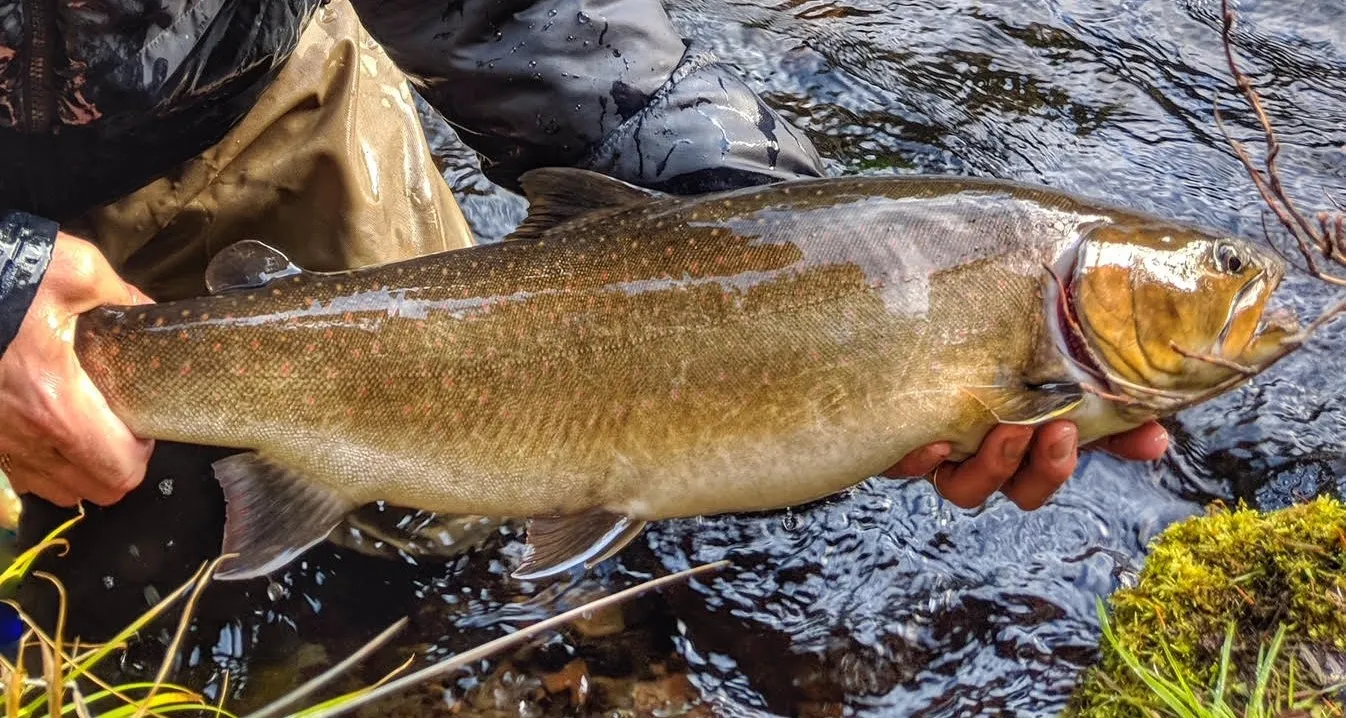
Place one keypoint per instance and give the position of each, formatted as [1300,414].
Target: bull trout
[629,356]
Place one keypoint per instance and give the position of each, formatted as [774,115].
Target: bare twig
[1217,361]
[332,673]
[485,650]
[1328,239]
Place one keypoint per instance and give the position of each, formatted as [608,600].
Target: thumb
[135,296]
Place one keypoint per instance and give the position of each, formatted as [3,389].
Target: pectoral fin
[273,515]
[1028,404]
[558,544]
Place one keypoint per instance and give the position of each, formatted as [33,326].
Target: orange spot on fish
[481,400]
[310,347]
[375,348]
[406,410]
[675,394]
[310,400]
[255,344]
[285,369]
[186,369]
[154,362]
[241,371]
[182,335]
[332,373]
[327,334]
[216,346]
[350,411]
[356,352]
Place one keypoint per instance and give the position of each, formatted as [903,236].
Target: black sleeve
[606,85]
[25,249]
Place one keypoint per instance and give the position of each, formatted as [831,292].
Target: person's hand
[1051,451]
[58,438]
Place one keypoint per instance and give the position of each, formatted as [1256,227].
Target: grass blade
[330,674]
[485,650]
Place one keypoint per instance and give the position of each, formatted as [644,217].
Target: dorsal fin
[557,194]
[246,265]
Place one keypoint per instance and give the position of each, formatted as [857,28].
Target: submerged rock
[1255,571]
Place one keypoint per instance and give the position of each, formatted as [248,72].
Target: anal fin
[558,544]
[272,515]
[1028,404]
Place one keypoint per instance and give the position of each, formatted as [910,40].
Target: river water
[884,601]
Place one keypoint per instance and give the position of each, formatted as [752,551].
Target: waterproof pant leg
[332,168]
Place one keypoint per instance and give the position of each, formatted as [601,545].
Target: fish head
[1171,315]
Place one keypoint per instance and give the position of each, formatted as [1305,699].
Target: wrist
[26,243]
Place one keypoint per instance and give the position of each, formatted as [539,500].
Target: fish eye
[1227,258]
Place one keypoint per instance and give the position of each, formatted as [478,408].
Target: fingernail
[1060,450]
[1014,449]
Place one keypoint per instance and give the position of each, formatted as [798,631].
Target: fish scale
[643,358]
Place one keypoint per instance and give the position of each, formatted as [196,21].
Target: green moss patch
[1216,595]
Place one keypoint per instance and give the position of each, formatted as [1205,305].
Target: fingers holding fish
[921,462]
[65,439]
[968,484]
[25,477]
[107,461]
[1051,461]
[1147,442]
